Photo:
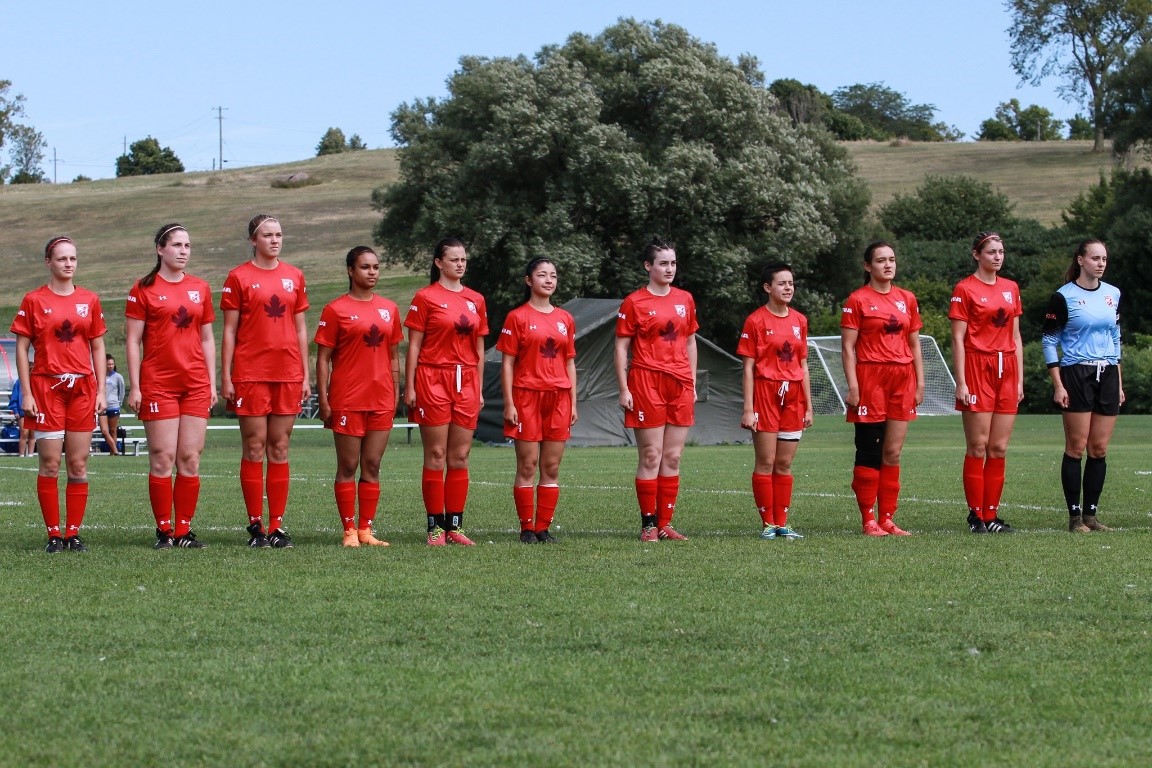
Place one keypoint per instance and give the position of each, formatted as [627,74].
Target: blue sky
[97,74]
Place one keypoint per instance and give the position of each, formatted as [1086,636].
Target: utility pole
[54,162]
[220,120]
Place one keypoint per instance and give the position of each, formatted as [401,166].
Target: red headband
[55,242]
[986,238]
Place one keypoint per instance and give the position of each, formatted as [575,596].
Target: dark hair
[55,242]
[772,268]
[438,253]
[655,245]
[870,251]
[1081,250]
[530,268]
[353,255]
[983,237]
[161,240]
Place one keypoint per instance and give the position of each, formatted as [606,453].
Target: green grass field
[939,649]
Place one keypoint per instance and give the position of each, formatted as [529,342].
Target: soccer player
[171,354]
[263,372]
[63,388]
[880,338]
[988,358]
[657,327]
[777,396]
[443,381]
[1083,321]
[538,376]
[114,396]
[357,376]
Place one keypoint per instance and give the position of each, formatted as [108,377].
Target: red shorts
[992,382]
[779,405]
[360,423]
[658,399]
[191,401]
[446,395]
[62,408]
[544,415]
[887,392]
[271,398]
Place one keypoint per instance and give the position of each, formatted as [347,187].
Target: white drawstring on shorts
[459,378]
[783,391]
[999,365]
[70,378]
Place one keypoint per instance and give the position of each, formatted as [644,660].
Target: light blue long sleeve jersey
[1084,324]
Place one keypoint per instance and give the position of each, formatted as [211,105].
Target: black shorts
[1092,388]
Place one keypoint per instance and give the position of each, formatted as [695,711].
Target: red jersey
[989,311]
[173,314]
[360,334]
[777,346]
[542,344]
[61,329]
[883,321]
[267,348]
[659,327]
[451,322]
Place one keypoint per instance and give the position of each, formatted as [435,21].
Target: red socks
[369,497]
[252,488]
[455,491]
[522,496]
[432,491]
[184,499]
[547,497]
[762,495]
[75,502]
[888,494]
[667,489]
[974,484]
[993,488]
[781,498]
[160,498]
[277,485]
[47,492]
[646,498]
[865,484]
[345,493]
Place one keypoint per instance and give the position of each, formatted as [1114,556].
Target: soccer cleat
[1076,525]
[892,529]
[350,538]
[1092,524]
[649,533]
[55,544]
[784,532]
[163,540]
[975,524]
[528,537]
[545,537]
[188,541]
[257,539]
[768,533]
[999,526]
[458,537]
[668,533]
[279,539]
[368,539]
[872,528]
[74,544]
[436,538]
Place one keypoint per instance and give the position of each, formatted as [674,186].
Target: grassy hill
[113,220]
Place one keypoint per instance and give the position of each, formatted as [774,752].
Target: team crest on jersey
[902,307]
[194,297]
[1108,300]
[385,314]
[471,307]
[562,327]
[796,331]
[1007,296]
[288,283]
[681,310]
[82,310]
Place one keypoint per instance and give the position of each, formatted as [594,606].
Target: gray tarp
[719,398]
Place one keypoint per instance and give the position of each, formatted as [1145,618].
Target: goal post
[826,369]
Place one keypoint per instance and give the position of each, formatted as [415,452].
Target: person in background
[777,396]
[1083,321]
[64,324]
[110,417]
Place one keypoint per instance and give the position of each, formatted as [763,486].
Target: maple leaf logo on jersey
[785,353]
[373,338]
[66,332]
[1000,319]
[183,318]
[463,325]
[549,350]
[194,297]
[669,333]
[275,308]
[892,326]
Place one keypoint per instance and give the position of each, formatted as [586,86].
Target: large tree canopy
[586,151]
[1082,41]
[1130,103]
[146,157]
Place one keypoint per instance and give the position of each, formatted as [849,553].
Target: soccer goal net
[826,369]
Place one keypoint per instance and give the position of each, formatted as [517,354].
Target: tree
[1079,128]
[1013,122]
[355,143]
[808,105]
[585,152]
[947,208]
[10,107]
[27,154]
[1129,111]
[331,143]
[145,157]
[1082,41]
[890,114]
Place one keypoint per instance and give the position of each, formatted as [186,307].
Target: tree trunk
[1098,139]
